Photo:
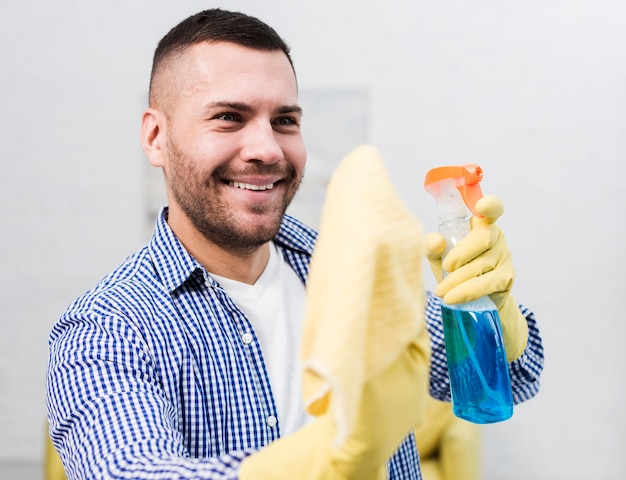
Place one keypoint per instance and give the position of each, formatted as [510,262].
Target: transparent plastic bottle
[477,365]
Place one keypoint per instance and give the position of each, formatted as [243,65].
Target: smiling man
[227,136]
[182,363]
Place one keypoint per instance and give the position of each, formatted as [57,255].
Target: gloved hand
[480,264]
[391,406]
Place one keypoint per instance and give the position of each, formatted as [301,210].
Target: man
[181,363]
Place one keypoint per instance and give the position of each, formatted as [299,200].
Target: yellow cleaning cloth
[365,300]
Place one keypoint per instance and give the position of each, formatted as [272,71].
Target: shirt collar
[175,265]
[294,235]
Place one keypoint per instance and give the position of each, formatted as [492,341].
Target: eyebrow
[290,109]
[244,107]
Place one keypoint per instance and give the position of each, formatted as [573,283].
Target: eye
[229,117]
[286,121]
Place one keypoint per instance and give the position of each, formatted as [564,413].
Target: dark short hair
[217,25]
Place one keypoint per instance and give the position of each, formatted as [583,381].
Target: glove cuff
[514,328]
[305,455]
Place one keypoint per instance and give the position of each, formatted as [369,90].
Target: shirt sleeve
[525,371]
[109,416]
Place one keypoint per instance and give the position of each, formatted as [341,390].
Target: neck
[242,266]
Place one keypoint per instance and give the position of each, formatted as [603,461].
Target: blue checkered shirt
[152,374]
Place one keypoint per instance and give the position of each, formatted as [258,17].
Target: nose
[261,144]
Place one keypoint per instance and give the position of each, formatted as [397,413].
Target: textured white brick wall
[534,91]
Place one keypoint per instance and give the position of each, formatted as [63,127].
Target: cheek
[297,155]
[183,167]
[197,158]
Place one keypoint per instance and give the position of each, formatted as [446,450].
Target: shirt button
[246,338]
[271,421]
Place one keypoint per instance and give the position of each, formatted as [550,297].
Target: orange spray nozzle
[466,178]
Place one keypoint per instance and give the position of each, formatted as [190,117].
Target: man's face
[234,155]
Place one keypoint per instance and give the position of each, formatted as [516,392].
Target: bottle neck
[444,222]
[453,230]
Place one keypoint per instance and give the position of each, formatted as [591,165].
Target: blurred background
[533,91]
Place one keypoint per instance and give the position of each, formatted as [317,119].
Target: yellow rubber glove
[480,264]
[391,406]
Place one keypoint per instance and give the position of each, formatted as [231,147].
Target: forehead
[224,68]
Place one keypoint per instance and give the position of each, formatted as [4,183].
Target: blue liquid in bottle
[477,365]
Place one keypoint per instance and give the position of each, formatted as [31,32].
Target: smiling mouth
[249,186]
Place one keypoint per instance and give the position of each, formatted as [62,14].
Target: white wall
[534,91]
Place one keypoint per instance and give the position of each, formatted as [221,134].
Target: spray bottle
[477,365]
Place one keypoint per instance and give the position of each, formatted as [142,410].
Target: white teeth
[248,186]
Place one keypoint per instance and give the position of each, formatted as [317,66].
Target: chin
[262,230]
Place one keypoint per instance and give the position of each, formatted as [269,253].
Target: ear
[153,136]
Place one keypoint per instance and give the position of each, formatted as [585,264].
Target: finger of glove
[496,261]
[477,242]
[435,244]
[490,207]
[492,282]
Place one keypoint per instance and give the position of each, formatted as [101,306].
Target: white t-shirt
[275,307]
